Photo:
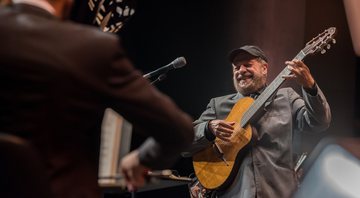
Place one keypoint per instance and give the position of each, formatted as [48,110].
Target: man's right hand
[133,171]
[222,129]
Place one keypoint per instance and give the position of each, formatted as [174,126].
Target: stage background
[204,31]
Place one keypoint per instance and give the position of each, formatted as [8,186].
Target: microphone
[175,64]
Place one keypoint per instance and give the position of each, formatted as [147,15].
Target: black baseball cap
[250,49]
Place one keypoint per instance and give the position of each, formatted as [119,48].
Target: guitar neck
[267,93]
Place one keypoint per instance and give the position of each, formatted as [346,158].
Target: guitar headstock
[321,42]
[111,15]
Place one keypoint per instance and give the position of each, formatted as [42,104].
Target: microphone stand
[160,78]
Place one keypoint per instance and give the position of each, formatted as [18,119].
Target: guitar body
[210,169]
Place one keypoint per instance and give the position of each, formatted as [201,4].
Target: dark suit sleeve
[153,114]
[203,137]
[312,111]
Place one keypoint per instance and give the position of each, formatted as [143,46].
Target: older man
[267,169]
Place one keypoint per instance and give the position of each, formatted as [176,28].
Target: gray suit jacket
[268,169]
[57,78]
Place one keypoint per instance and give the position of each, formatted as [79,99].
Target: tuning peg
[323,51]
[334,41]
[328,46]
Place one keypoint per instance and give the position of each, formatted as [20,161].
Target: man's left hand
[301,73]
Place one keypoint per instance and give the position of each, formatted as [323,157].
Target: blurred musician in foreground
[56,79]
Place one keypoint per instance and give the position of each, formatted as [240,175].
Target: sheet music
[115,143]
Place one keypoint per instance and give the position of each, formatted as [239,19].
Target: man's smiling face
[249,73]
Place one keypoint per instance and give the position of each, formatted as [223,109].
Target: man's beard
[253,85]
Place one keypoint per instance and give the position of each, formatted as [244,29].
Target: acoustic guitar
[216,166]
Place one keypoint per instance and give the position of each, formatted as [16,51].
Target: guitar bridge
[219,153]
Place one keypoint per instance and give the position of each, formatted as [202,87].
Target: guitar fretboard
[267,93]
